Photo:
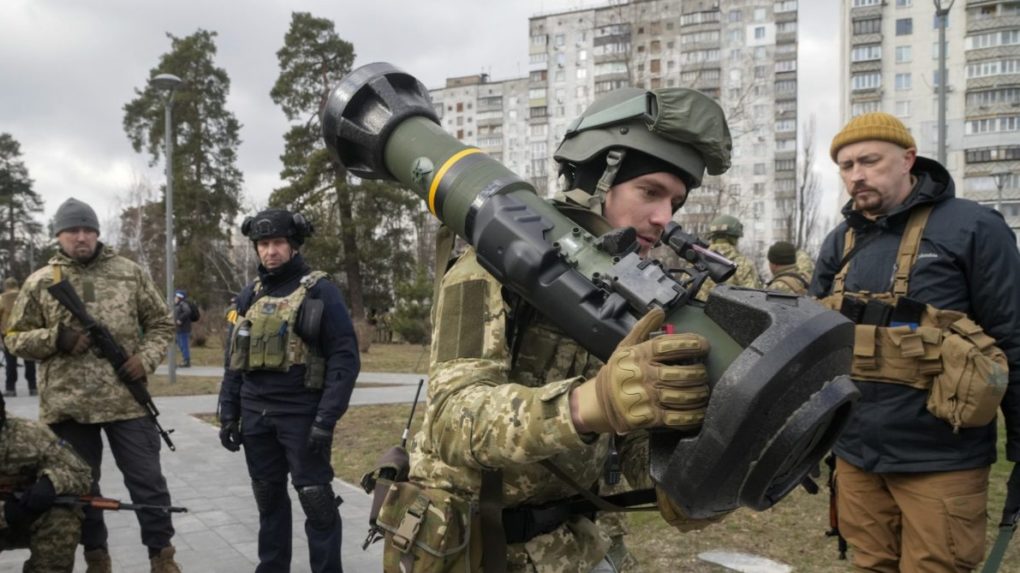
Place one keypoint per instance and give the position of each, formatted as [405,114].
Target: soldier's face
[79,243]
[274,252]
[645,203]
[876,175]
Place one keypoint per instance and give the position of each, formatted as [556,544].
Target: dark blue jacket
[284,392]
[968,261]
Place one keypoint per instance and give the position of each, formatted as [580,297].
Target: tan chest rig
[265,338]
[944,352]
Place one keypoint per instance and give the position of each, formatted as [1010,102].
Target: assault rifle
[110,349]
[93,501]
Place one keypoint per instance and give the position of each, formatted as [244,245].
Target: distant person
[184,314]
[11,361]
[81,396]
[293,362]
[724,232]
[786,276]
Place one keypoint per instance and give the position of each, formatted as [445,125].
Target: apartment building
[741,52]
[891,60]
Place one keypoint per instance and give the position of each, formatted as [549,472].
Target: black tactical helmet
[277,223]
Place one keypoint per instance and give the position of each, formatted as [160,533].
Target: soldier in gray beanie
[74,213]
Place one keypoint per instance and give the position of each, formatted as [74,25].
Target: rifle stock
[110,349]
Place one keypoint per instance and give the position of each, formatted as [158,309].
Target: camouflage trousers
[52,540]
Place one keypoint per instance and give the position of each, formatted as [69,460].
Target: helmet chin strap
[613,161]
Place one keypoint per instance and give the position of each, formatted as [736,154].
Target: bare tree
[806,218]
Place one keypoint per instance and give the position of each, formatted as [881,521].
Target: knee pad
[268,494]
[320,505]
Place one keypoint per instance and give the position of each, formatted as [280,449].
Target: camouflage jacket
[789,279]
[484,412]
[6,304]
[746,275]
[805,265]
[116,292]
[30,450]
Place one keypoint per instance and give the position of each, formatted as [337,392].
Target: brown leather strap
[840,279]
[910,245]
[490,510]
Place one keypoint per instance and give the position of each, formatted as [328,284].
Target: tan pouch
[896,354]
[974,377]
[428,531]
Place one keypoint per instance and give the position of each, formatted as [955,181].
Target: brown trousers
[913,522]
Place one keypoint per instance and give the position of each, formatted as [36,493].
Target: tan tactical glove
[654,383]
[676,516]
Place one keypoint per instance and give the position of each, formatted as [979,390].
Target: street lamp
[168,83]
[942,16]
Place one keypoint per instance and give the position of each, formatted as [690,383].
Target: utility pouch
[315,371]
[275,335]
[240,345]
[900,354]
[973,380]
[428,531]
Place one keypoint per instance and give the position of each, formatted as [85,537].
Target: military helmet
[681,127]
[725,226]
[277,223]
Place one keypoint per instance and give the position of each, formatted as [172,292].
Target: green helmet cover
[726,226]
[680,126]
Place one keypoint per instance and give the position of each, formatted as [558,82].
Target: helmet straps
[613,161]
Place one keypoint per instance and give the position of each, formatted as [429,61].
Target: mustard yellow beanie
[872,126]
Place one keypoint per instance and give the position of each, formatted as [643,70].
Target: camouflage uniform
[746,275]
[29,450]
[789,279]
[117,292]
[805,265]
[81,395]
[485,413]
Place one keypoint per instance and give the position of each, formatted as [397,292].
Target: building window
[904,26]
[786,65]
[866,53]
[863,3]
[903,82]
[786,125]
[759,32]
[903,108]
[735,15]
[785,87]
[865,81]
[904,54]
[786,27]
[759,169]
[904,3]
[868,26]
[759,14]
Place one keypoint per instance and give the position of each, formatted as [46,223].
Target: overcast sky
[69,66]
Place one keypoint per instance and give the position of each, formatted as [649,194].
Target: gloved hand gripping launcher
[778,364]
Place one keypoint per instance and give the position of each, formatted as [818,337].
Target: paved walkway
[219,533]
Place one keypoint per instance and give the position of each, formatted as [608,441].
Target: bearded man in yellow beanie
[931,281]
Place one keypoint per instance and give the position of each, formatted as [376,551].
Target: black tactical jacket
[284,392]
[968,261]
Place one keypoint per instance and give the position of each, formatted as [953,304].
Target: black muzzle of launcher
[778,365]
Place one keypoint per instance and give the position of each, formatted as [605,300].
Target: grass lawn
[792,532]
[379,358]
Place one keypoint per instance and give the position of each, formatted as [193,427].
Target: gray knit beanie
[73,213]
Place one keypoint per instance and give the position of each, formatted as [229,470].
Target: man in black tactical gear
[292,363]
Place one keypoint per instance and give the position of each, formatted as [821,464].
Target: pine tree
[18,204]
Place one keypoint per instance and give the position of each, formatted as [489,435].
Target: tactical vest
[265,338]
[942,351]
